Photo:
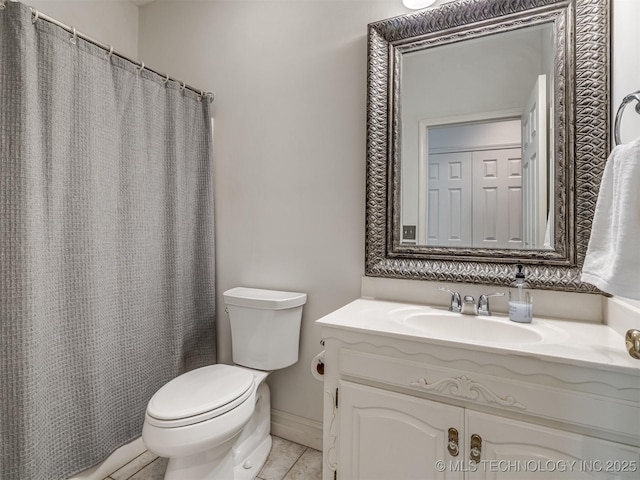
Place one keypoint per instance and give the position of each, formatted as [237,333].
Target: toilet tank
[265,326]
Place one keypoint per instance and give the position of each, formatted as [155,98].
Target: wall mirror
[487,134]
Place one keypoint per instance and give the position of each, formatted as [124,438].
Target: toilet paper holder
[317,366]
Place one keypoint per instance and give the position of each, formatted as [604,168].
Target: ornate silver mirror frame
[581,142]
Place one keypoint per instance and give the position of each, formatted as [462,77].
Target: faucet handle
[483,302]
[456,302]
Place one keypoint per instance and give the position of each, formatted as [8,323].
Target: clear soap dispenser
[520,299]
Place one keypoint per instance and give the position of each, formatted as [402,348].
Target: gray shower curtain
[106,246]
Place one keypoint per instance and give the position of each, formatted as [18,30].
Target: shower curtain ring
[36,16]
[2,5]
[74,39]
[166,80]
[182,86]
[110,52]
[141,68]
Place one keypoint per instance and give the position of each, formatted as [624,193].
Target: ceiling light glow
[418,4]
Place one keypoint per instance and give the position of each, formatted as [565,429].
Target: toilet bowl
[213,423]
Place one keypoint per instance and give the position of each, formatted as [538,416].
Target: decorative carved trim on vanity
[463,387]
[552,375]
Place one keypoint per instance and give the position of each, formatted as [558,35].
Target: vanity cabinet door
[512,450]
[386,435]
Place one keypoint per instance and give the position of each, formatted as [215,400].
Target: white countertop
[562,341]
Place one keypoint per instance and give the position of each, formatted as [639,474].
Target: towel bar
[628,99]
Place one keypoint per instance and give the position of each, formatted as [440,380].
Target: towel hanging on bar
[612,261]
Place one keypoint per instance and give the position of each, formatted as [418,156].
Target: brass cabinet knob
[632,340]
[452,444]
[476,448]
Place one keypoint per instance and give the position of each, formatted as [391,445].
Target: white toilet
[213,423]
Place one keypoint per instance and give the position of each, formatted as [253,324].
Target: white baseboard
[296,429]
[116,460]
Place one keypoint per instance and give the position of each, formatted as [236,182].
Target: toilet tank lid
[263,299]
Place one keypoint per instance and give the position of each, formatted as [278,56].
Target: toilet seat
[200,395]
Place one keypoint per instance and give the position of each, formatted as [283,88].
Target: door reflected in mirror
[477,166]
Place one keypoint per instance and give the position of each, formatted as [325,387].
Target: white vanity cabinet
[402,406]
[387,435]
[512,449]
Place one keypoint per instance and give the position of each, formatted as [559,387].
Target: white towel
[612,262]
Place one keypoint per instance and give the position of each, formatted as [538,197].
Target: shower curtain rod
[109,49]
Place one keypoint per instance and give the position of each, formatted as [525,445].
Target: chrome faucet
[469,306]
[483,303]
[456,303]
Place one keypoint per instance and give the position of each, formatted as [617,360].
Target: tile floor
[287,461]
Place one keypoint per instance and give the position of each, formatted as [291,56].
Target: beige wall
[626,63]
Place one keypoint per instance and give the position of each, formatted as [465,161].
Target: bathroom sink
[446,325]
